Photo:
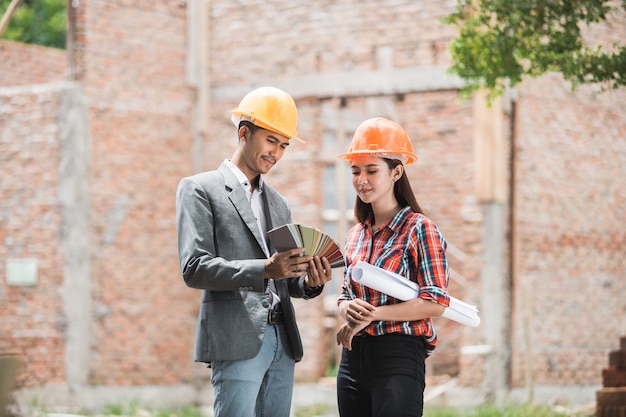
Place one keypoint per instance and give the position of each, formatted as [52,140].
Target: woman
[386,341]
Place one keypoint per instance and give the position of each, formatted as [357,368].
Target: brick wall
[31,317]
[570,220]
[341,38]
[24,64]
[569,210]
[324,37]
[140,122]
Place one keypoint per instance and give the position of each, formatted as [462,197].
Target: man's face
[261,150]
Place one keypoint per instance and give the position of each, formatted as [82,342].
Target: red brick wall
[31,317]
[269,40]
[332,38]
[340,37]
[569,206]
[24,64]
[571,230]
[140,122]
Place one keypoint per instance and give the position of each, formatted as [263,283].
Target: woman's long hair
[401,190]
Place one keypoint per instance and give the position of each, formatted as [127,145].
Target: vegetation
[500,42]
[41,22]
[133,409]
[524,410]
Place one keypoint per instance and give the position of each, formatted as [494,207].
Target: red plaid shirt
[410,245]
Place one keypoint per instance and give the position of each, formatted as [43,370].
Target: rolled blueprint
[403,289]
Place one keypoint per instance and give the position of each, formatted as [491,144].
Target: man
[246,330]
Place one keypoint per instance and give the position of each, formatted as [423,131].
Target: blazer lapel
[238,198]
[272,218]
[269,215]
[275,214]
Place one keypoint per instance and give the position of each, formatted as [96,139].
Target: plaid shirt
[410,245]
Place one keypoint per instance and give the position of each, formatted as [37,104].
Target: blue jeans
[257,387]
[382,376]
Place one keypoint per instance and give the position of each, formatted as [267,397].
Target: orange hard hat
[269,108]
[381,137]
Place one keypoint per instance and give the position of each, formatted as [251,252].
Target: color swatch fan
[314,241]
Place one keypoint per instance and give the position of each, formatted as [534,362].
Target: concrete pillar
[198,33]
[495,309]
[492,190]
[73,193]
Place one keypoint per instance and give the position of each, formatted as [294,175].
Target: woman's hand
[357,311]
[347,331]
[358,314]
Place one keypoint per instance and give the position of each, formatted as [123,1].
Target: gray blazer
[220,252]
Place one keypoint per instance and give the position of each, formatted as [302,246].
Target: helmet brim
[237,117]
[405,157]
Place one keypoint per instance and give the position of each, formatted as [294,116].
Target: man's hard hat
[269,108]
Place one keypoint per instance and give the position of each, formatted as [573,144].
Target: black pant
[382,376]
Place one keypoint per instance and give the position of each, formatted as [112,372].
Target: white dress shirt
[255,198]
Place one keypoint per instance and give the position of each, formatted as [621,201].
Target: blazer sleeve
[200,264]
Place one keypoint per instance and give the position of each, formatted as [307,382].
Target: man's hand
[318,272]
[287,264]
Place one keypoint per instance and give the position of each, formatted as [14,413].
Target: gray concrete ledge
[58,399]
[354,83]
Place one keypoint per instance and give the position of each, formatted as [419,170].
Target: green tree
[501,42]
[42,22]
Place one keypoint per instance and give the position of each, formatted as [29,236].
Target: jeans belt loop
[275,317]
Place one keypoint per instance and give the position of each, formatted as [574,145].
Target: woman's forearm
[416,309]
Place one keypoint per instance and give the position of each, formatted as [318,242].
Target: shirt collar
[396,221]
[241,177]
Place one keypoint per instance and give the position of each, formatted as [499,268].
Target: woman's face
[372,178]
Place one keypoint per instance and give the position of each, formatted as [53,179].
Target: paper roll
[384,281]
[401,288]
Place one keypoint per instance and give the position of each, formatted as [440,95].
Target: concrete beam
[353,83]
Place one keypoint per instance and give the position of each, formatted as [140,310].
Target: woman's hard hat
[269,108]
[381,137]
